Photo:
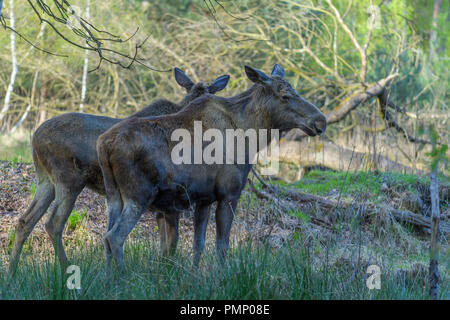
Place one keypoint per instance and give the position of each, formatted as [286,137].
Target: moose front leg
[224,219]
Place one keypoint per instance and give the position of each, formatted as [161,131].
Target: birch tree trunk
[27,111]
[434,247]
[21,120]
[6,105]
[42,105]
[85,69]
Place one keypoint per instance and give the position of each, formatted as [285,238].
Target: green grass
[251,272]
[76,218]
[33,189]
[299,214]
[323,182]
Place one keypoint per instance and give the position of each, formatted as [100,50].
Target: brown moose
[138,171]
[65,158]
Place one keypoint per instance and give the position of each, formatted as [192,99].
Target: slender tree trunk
[85,69]
[6,106]
[434,26]
[116,83]
[42,116]
[27,111]
[21,120]
[434,247]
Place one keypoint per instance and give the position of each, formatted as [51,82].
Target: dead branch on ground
[294,200]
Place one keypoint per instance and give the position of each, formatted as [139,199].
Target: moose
[138,171]
[65,158]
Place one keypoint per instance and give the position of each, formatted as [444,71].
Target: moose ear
[182,79]
[219,84]
[257,76]
[278,71]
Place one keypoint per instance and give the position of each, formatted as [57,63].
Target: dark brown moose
[139,172]
[65,157]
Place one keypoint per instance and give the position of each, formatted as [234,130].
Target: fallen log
[285,206]
[417,219]
[330,155]
[287,199]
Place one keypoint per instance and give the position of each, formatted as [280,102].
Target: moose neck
[248,109]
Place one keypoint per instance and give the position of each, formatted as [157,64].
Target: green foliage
[438,153]
[33,189]
[76,218]
[300,214]
[14,162]
[11,238]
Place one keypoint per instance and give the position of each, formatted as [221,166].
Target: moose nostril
[320,125]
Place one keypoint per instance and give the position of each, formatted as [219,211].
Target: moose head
[284,106]
[198,89]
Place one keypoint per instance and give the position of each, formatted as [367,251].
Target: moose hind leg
[65,200]
[45,193]
[115,207]
[115,238]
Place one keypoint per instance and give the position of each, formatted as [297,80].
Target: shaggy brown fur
[65,157]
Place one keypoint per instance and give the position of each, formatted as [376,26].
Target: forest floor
[275,254]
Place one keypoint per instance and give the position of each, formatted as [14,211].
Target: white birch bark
[27,111]
[85,69]
[6,105]
[40,34]
[22,119]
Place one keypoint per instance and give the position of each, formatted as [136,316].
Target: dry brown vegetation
[370,77]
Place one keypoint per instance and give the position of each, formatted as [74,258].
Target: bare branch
[352,37]
[357,98]
[212,11]
[390,121]
[86,31]
[4,25]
